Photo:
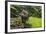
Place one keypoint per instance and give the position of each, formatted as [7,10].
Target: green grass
[35,22]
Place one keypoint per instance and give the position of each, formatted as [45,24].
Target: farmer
[24,16]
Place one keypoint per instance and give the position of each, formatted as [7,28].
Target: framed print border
[6,16]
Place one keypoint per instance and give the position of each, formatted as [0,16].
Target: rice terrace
[23,16]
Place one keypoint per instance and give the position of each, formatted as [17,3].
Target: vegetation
[33,19]
[34,22]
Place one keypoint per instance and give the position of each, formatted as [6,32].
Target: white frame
[27,29]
